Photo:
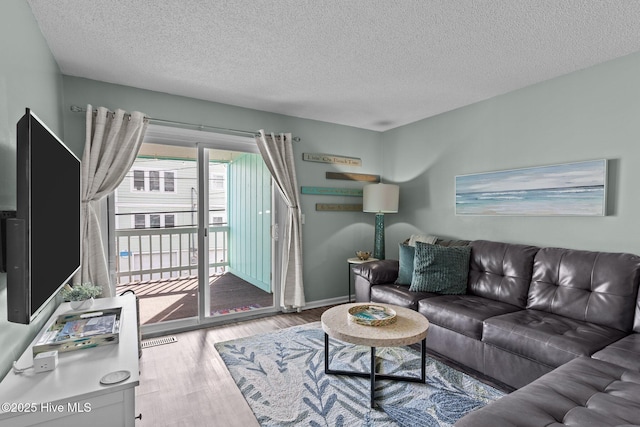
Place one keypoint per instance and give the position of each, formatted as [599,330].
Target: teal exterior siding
[250,220]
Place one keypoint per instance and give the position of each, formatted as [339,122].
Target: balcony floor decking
[176,298]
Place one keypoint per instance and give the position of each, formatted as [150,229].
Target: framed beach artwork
[577,189]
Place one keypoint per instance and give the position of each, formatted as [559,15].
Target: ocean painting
[566,189]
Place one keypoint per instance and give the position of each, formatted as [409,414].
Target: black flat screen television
[43,240]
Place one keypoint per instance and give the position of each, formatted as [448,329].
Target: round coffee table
[409,328]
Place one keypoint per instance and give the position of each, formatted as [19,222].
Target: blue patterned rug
[281,375]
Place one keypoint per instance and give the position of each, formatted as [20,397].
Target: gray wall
[329,237]
[590,114]
[29,77]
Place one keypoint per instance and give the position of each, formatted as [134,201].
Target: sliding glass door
[192,234]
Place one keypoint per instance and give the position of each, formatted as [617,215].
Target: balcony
[161,265]
[156,253]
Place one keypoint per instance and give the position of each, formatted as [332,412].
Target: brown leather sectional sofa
[534,312]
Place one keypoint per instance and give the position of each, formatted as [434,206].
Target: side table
[356,261]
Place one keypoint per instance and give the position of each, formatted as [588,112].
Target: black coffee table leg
[372,375]
[326,353]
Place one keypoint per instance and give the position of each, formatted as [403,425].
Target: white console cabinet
[71,395]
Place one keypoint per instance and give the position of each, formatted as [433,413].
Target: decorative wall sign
[565,189]
[338,207]
[330,191]
[353,176]
[332,158]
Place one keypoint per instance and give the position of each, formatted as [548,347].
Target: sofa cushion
[584,393]
[405,259]
[501,271]
[398,295]
[545,337]
[440,269]
[625,352]
[594,287]
[462,313]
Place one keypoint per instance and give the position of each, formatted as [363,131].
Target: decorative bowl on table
[372,315]
[363,255]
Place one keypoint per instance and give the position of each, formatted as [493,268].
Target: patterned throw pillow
[440,269]
[405,273]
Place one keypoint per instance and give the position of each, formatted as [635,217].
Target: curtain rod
[77,109]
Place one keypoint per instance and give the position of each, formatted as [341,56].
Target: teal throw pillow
[405,273]
[440,269]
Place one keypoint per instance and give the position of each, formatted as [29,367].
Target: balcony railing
[155,253]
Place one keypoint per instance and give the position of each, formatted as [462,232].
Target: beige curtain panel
[112,143]
[277,153]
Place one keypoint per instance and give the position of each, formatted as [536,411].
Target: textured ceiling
[367,63]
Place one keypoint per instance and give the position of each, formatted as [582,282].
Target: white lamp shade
[380,198]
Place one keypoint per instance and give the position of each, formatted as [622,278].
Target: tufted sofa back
[595,287]
[501,271]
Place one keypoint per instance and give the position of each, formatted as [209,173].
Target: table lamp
[380,199]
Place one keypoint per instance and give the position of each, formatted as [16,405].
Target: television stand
[71,395]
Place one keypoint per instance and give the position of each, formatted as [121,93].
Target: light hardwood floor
[187,384]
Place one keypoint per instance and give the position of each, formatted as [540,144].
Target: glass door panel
[156,233]
[239,233]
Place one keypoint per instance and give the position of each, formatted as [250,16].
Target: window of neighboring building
[169,181]
[140,220]
[138,180]
[154,180]
[217,182]
[154,221]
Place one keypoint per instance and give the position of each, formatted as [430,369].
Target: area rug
[235,309]
[281,376]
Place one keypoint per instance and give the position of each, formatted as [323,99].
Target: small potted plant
[81,296]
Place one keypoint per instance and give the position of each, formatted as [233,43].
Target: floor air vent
[158,341]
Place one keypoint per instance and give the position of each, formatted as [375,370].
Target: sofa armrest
[378,272]
[373,273]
